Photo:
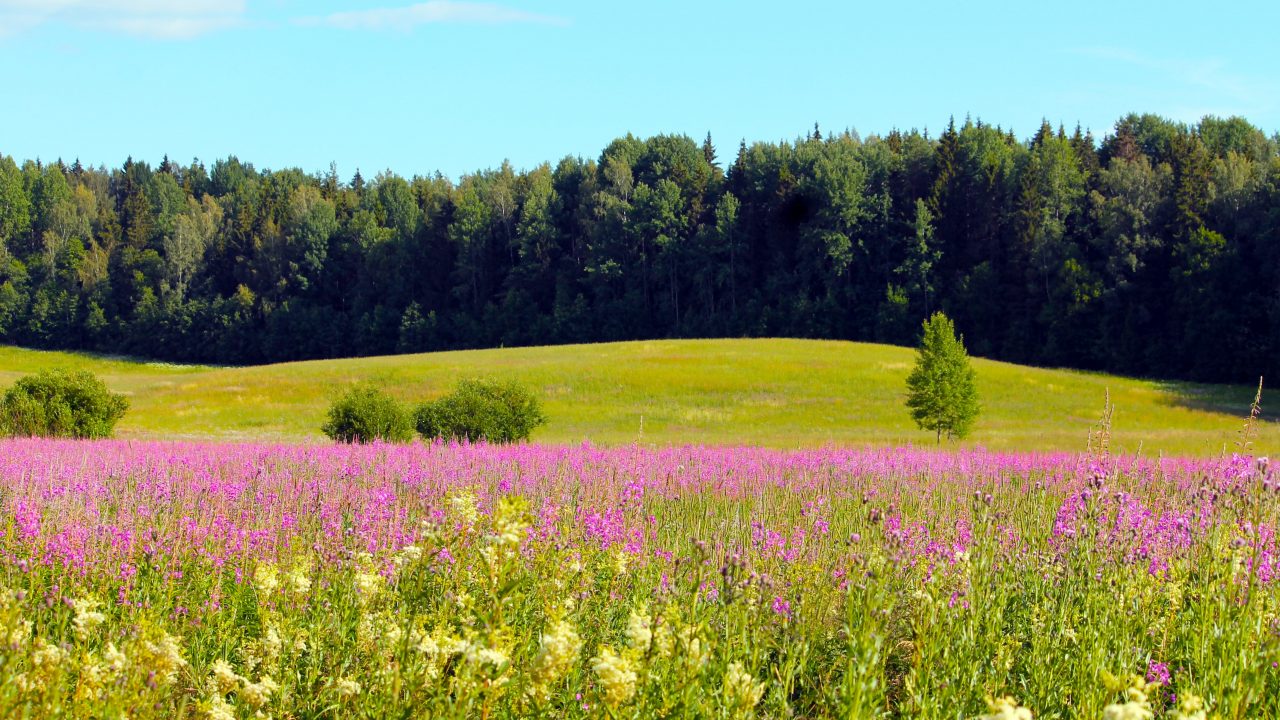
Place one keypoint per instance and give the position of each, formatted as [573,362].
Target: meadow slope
[777,393]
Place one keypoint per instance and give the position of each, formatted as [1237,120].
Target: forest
[1153,252]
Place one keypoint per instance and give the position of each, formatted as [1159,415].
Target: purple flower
[782,607]
[1158,672]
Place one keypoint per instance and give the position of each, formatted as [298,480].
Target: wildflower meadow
[171,580]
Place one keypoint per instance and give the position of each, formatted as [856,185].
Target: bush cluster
[490,410]
[365,414]
[478,409]
[60,404]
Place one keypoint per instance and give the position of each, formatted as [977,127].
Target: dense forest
[1154,252]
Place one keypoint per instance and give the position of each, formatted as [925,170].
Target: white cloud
[160,19]
[433,11]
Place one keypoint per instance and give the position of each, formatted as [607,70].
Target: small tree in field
[941,390]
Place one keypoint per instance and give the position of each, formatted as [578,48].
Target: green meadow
[778,393]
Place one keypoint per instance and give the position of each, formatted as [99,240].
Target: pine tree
[942,392]
[709,152]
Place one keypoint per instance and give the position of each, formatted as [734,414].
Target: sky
[455,86]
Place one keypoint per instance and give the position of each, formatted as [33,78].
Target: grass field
[778,393]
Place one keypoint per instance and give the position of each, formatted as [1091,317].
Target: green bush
[366,413]
[490,410]
[61,403]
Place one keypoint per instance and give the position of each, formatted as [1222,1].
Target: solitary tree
[941,389]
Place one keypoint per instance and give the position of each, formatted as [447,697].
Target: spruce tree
[941,390]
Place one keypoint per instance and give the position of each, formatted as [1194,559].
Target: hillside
[780,393]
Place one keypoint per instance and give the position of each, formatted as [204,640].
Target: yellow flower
[407,555]
[217,708]
[741,691]
[639,635]
[1136,706]
[509,523]
[266,578]
[116,660]
[695,650]
[223,677]
[1190,707]
[259,693]
[46,657]
[663,641]
[485,657]
[617,677]
[20,634]
[463,507]
[1005,708]
[558,650]
[347,688]
[299,582]
[369,585]
[271,644]
[620,561]
[93,678]
[163,657]
[1128,711]
[87,618]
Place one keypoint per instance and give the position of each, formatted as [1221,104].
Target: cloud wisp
[434,11]
[156,19]
[1220,91]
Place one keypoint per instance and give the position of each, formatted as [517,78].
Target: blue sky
[457,86]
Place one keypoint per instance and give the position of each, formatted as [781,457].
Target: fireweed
[146,580]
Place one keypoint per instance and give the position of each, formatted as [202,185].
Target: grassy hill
[781,393]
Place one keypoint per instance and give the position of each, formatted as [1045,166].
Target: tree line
[1154,252]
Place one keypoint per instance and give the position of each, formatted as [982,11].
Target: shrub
[498,412]
[61,403]
[366,413]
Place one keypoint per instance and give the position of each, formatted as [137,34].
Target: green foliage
[364,414]
[61,403]
[942,389]
[482,409]
[1049,250]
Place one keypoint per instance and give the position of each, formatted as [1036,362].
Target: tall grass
[202,580]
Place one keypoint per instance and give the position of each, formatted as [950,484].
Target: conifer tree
[942,391]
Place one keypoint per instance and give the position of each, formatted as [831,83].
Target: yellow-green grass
[781,393]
